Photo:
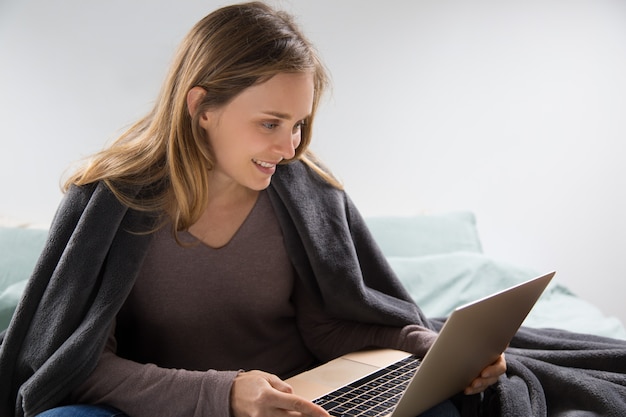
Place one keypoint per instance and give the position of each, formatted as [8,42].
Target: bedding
[438,257]
[20,246]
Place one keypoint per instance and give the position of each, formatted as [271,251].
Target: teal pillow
[440,283]
[428,234]
[19,250]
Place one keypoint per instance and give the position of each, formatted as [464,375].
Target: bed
[440,260]
[438,257]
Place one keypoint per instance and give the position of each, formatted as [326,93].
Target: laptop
[387,382]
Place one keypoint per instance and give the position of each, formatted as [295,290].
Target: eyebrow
[283,116]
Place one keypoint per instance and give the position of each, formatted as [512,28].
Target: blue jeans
[445,409]
[83,410]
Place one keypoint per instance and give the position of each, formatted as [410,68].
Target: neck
[228,193]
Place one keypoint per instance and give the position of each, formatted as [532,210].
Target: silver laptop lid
[472,338]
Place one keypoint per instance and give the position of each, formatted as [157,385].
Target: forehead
[288,94]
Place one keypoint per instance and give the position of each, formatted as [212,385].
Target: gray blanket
[96,247]
[556,373]
[553,372]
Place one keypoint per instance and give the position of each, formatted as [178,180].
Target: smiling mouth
[264,164]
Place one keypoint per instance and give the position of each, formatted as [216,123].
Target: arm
[328,338]
[148,390]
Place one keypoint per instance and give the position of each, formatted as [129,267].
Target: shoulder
[304,181]
[86,205]
[306,194]
[309,173]
[79,197]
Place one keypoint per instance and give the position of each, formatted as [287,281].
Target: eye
[298,126]
[270,125]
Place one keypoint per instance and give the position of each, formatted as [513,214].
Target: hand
[258,393]
[488,376]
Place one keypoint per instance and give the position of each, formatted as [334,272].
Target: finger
[495,369]
[477,386]
[484,382]
[480,384]
[279,385]
[291,402]
[488,376]
[472,391]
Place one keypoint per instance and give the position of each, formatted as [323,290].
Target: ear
[194,98]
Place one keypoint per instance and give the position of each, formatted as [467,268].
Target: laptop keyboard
[373,395]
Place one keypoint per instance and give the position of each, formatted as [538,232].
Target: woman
[207,241]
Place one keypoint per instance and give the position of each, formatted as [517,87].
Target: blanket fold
[83,275]
[558,373]
[346,259]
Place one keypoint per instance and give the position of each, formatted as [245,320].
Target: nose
[287,144]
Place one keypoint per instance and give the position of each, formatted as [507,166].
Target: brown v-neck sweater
[198,315]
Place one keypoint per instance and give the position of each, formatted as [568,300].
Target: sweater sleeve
[146,390]
[328,337]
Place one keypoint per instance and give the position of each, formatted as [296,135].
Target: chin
[260,186]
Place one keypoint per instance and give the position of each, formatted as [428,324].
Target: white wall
[513,109]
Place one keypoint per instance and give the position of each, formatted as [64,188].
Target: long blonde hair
[167,152]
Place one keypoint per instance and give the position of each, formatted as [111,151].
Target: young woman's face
[258,128]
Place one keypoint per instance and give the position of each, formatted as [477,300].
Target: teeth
[264,164]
